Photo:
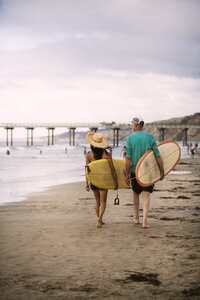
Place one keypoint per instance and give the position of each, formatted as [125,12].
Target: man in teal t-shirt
[138,143]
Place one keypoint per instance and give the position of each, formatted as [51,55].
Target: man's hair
[141,124]
[139,121]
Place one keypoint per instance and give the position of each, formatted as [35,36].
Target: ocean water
[26,171]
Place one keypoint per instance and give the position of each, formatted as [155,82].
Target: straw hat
[97,140]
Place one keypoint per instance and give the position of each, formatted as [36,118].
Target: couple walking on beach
[137,144]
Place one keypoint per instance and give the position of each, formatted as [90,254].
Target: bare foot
[145,226]
[136,221]
[102,223]
[99,224]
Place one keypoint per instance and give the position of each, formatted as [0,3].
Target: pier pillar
[113,137]
[161,134]
[27,141]
[32,136]
[29,129]
[50,138]
[11,136]
[70,137]
[94,129]
[7,136]
[72,131]
[116,137]
[185,136]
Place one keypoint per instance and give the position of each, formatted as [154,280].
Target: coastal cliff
[175,133]
[170,134]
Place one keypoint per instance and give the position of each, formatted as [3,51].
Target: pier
[162,128]
[9,127]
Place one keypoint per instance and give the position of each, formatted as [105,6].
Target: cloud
[98,60]
[104,96]
[143,36]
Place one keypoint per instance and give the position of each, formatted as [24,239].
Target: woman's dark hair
[98,152]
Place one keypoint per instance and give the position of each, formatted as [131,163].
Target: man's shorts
[138,188]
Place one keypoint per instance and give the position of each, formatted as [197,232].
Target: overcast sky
[98,60]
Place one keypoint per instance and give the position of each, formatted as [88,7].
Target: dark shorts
[95,188]
[138,188]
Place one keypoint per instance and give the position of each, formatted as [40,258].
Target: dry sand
[51,249]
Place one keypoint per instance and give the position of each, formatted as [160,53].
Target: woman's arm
[113,171]
[87,187]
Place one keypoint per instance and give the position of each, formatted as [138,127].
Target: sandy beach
[51,249]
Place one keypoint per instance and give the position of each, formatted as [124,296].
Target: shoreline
[51,248]
[40,189]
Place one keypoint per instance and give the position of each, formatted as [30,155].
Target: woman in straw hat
[99,144]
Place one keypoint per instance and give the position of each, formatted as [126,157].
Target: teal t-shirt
[138,143]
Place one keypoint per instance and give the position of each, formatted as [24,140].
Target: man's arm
[160,165]
[158,158]
[127,169]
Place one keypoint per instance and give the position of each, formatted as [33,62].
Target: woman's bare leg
[103,198]
[97,202]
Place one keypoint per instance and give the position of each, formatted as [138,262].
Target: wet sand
[51,249]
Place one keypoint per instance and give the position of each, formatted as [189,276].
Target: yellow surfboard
[99,174]
[147,171]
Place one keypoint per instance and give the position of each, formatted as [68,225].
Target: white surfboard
[147,170]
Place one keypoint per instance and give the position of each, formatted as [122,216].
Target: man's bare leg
[103,198]
[146,203]
[136,207]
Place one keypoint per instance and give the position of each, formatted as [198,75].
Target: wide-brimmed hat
[97,140]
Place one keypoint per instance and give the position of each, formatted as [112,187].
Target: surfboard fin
[88,169]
